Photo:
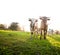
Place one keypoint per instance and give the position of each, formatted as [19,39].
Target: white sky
[20,10]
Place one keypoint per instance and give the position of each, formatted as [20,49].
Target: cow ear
[29,19]
[36,20]
[48,19]
[40,18]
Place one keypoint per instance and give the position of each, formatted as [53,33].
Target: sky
[21,10]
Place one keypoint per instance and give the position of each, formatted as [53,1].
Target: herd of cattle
[43,28]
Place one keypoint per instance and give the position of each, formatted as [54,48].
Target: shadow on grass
[43,47]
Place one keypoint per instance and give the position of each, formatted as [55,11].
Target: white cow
[33,26]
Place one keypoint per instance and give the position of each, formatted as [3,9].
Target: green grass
[19,43]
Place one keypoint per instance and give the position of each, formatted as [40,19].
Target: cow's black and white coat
[33,26]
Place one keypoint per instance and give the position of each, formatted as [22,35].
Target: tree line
[14,26]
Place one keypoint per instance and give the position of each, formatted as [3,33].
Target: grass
[19,43]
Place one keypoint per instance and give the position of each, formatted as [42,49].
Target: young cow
[44,26]
[33,26]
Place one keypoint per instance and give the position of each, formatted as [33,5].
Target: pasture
[19,43]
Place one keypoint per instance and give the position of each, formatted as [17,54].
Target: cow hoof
[40,38]
[44,38]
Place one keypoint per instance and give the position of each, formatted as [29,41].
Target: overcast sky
[20,10]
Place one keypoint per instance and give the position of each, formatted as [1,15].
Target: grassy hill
[19,43]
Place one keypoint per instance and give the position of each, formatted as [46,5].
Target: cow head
[44,18]
[33,21]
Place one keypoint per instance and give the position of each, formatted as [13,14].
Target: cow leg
[36,34]
[45,32]
[31,34]
[41,34]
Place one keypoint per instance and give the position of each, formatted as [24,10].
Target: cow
[50,32]
[33,26]
[44,26]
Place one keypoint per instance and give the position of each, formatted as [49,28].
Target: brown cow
[33,26]
[44,26]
